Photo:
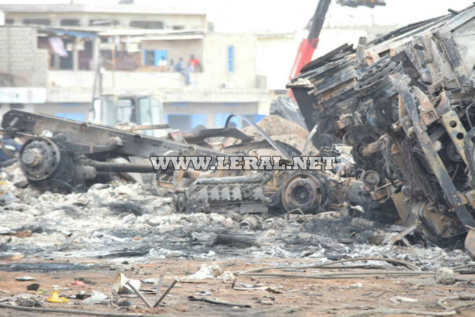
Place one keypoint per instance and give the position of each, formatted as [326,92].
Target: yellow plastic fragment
[56,299]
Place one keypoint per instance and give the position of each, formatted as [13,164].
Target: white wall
[70,86]
[177,49]
[215,59]
[275,57]
[332,38]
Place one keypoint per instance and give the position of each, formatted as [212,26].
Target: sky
[289,16]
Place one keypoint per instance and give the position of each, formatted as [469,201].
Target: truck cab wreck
[404,103]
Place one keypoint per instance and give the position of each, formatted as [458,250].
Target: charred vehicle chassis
[62,155]
[62,151]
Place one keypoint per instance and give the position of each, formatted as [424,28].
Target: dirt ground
[286,296]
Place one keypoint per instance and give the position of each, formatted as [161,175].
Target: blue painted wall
[231,59]
[157,55]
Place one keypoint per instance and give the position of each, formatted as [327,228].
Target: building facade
[57,59]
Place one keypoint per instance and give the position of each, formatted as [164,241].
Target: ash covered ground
[75,246]
[125,220]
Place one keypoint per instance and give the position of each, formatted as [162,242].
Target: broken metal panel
[456,131]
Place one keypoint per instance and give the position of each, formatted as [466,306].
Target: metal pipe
[309,139]
[260,178]
[144,127]
[120,167]
[159,287]
[136,291]
[8,162]
[165,293]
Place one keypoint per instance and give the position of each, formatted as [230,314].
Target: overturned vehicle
[405,104]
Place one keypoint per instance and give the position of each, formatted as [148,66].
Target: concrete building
[55,59]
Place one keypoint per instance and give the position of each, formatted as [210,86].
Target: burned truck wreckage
[402,103]
[62,156]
